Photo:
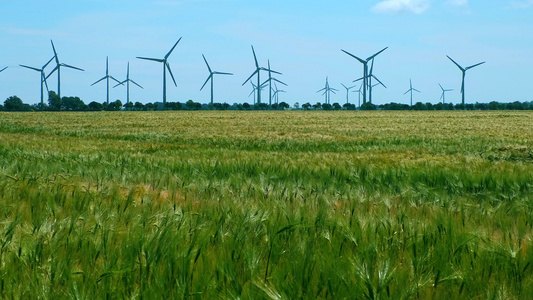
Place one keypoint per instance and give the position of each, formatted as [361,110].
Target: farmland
[266,205]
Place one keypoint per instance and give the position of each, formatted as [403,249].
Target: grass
[266,205]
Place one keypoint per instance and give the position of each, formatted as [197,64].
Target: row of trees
[14,103]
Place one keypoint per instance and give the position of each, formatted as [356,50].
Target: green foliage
[372,205]
[54,102]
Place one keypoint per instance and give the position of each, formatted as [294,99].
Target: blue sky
[302,39]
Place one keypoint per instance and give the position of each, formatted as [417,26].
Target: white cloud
[522,4]
[397,6]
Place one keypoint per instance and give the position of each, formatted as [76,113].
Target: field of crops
[266,205]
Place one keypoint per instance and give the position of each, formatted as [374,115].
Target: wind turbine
[211,73]
[255,89]
[411,89]
[463,70]
[365,69]
[127,81]
[347,91]
[43,77]
[269,80]
[360,93]
[166,66]
[276,93]
[257,71]
[327,90]
[444,93]
[370,86]
[106,77]
[3,69]
[58,69]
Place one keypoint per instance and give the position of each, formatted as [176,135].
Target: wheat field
[266,205]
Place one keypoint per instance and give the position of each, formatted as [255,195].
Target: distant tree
[284,105]
[275,106]
[2,108]
[149,106]
[54,102]
[306,106]
[419,106]
[318,105]
[128,106]
[95,106]
[246,106]
[368,106]
[296,105]
[190,105]
[348,106]
[72,104]
[139,106]
[114,106]
[13,103]
[327,106]
[337,106]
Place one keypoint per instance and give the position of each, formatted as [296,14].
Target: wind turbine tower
[58,69]
[211,75]
[127,81]
[463,70]
[107,77]
[166,66]
[365,69]
[43,77]
[442,97]
[411,89]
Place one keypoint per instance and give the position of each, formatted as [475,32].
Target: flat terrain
[266,205]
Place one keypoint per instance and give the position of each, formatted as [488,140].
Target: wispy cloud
[522,4]
[398,6]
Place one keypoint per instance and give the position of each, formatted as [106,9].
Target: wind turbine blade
[250,77]
[372,57]
[359,79]
[114,79]
[468,68]
[321,90]
[72,67]
[3,69]
[279,81]
[208,67]
[168,54]
[55,53]
[360,60]
[332,89]
[45,83]
[27,67]
[371,68]
[407,91]
[442,96]
[448,90]
[417,90]
[268,70]
[266,81]
[206,81]
[99,80]
[152,59]
[136,84]
[459,66]
[222,73]
[170,71]
[255,58]
[441,87]
[378,81]
[344,86]
[120,83]
[55,69]
[45,65]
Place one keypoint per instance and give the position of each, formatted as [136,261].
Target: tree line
[55,103]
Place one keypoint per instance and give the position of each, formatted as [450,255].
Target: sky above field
[302,39]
